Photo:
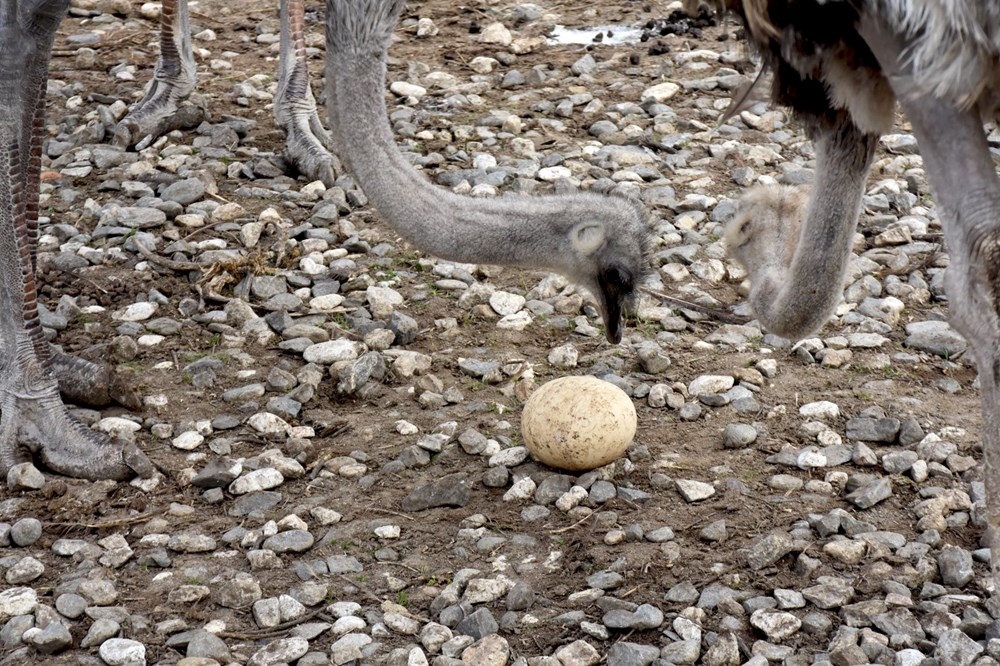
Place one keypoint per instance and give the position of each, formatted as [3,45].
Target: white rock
[250,233]
[553,173]
[149,340]
[404,89]
[426,28]
[383,301]
[483,64]
[401,624]
[17,601]
[521,490]
[228,212]
[347,624]
[571,498]
[188,441]
[123,652]
[506,303]
[115,426]
[710,384]
[485,590]
[136,312]
[348,648]
[496,33]
[776,625]
[515,322]
[332,351]
[661,92]
[326,302]
[259,479]
[565,356]
[809,458]
[25,476]
[387,532]
[406,428]
[511,457]
[694,491]
[268,423]
[824,410]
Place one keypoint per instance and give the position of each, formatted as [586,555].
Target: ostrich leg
[294,104]
[967,193]
[161,110]
[32,416]
[797,266]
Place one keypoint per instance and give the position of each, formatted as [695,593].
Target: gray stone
[26,531]
[122,652]
[738,436]
[682,652]
[348,648]
[292,541]
[451,490]
[207,645]
[280,651]
[552,488]
[954,648]
[624,653]
[955,565]
[184,192]
[831,592]
[935,337]
[478,624]
[768,549]
[867,429]
[646,616]
[871,493]
[55,637]
[605,580]
[725,652]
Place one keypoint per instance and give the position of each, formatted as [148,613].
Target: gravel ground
[337,417]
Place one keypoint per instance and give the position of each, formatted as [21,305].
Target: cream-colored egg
[578,423]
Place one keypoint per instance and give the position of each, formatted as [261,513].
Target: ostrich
[842,66]
[597,241]
[164,107]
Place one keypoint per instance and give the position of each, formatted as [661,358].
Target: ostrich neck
[796,300]
[510,230]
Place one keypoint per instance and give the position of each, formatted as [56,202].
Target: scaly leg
[967,193]
[32,416]
[164,107]
[294,105]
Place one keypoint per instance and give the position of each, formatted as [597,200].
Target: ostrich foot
[86,383]
[37,422]
[160,112]
[305,145]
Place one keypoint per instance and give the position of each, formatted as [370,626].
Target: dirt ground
[431,548]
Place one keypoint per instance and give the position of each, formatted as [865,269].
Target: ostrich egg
[578,423]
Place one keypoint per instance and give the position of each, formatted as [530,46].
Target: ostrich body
[165,106]
[596,241]
[842,66]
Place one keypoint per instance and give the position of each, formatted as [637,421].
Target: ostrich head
[608,250]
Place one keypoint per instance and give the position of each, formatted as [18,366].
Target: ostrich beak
[616,286]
